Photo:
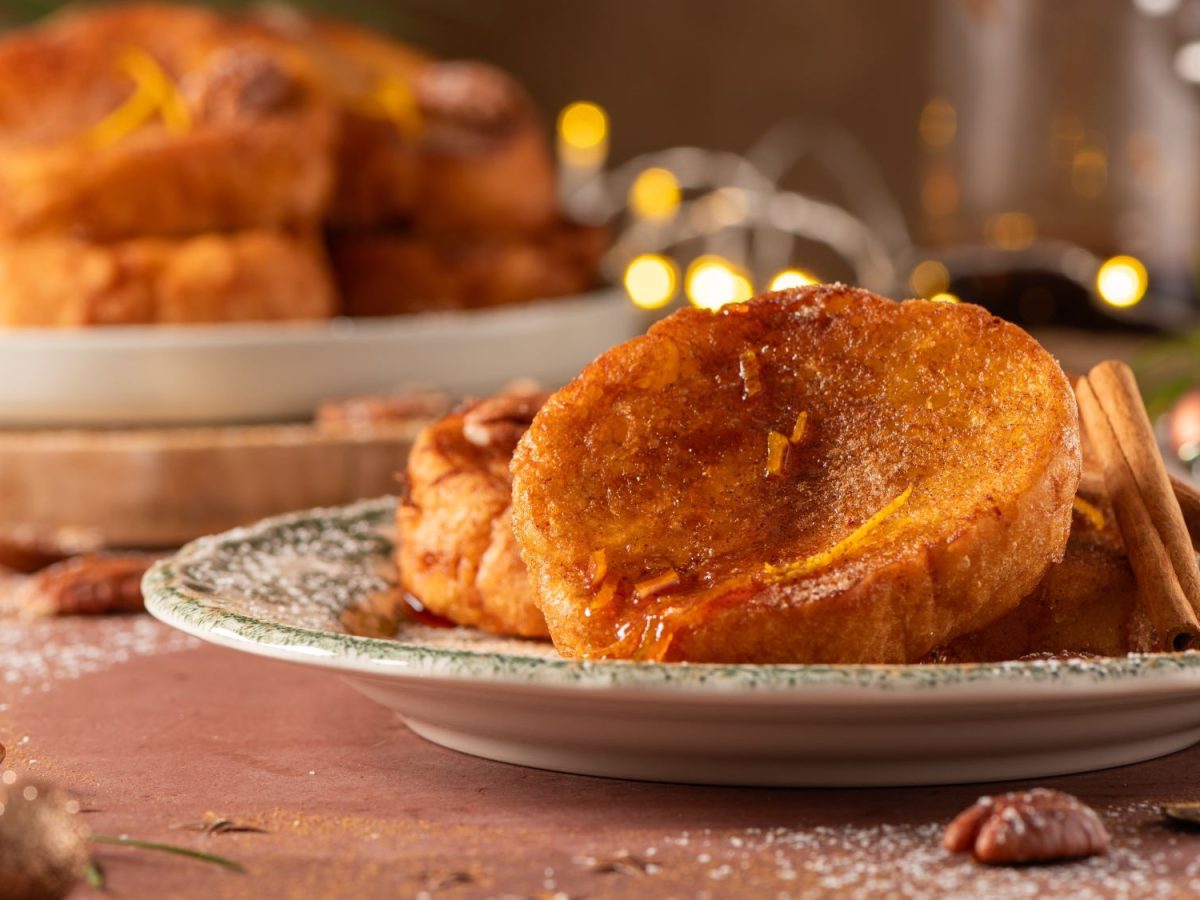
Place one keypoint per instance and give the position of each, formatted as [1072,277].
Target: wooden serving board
[156,488]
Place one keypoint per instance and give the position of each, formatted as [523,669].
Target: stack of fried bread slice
[160,164]
[962,410]
[445,186]
[168,164]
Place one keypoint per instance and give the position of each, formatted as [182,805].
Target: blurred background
[982,125]
[1038,158]
[992,124]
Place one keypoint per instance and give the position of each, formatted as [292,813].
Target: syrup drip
[418,612]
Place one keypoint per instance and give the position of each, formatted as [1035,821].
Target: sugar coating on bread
[927,492]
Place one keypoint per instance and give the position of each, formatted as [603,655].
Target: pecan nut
[466,107]
[239,83]
[87,585]
[501,420]
[369,410]
[26,548]
[1027,827]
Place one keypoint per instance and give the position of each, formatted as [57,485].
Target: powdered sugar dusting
[35,655]
[907,860]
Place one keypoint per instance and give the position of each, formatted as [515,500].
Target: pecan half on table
[1027,827]
[86,585]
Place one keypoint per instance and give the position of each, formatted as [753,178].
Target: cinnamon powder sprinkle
[777,445]
[656,585]
[1090,512]
[748,367]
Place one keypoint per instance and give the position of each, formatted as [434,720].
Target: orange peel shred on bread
[437,144]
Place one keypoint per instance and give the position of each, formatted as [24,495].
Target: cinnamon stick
[1115,387]
[1159,590]
[1189,504]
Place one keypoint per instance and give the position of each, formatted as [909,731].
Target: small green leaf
[123,841]
[94,875]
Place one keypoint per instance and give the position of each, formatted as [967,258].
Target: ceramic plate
[294,588]
[227,374]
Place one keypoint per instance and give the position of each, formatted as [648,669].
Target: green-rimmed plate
[310,587]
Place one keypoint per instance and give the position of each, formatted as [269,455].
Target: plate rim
[178,606]
[170,337]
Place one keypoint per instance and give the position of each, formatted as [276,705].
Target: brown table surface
[150,728]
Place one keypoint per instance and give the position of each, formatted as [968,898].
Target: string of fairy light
[663,204]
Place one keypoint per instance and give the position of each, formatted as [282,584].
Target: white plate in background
[227,374]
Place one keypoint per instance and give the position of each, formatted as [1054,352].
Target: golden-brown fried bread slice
[386,274]
[445,145]
[455,546]
[158,120]
[1085,604]
[241,277]
[819,475]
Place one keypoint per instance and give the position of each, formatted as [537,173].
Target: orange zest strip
[800,428]
[153,93]
[608,590]
[804,566]
[748,368]
[656,585]
[777,445]
[393,100]
[597,568]
[1090,512]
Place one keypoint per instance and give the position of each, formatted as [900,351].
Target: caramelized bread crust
[387,274]
[441,145]
[243,277]
[924,494]
[254,149]
[455,547]
[1085,604]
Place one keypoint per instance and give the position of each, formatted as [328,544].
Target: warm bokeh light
[1187,62]
[792,278]
[938,123]
[1121,281]
[713,282]
[650,281]
[928,277]
[655,194]
[945,297]
[583,125]
[1011,230]
[1156,7]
